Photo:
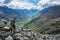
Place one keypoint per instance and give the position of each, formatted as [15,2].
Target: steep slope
[43,23]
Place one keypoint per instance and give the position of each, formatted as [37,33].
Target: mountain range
[46,22]
[36,20]
[22,16]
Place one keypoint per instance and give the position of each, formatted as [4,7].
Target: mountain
[23,15]
[48,22]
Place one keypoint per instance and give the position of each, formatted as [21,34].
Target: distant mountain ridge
[46,10]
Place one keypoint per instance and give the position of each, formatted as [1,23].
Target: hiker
[12,26]
[13,23]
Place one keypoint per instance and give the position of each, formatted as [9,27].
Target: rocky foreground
[8,32]
[26,34]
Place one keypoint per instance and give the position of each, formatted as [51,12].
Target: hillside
[44,22]
[23,15]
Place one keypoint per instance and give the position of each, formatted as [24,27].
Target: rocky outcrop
[7,32]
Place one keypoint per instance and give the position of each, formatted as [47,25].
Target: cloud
[55,2]
[42,2]
[20,5]
[1,2]
[7,1]
[25,4]
[46,3]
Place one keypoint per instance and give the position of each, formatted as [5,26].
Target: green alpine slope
[47,22]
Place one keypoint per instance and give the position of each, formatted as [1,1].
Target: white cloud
[27,5]
[46,3]
[55,2]
[1,2]
[18,4]
[42,2]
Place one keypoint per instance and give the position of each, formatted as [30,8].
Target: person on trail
[13,23]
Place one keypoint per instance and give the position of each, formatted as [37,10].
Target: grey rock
[3,36]
[9,38]
[0,38]
[26,38]
[17,36]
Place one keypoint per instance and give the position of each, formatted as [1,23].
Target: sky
[29,4]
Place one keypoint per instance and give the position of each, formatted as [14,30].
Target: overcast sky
[29,4]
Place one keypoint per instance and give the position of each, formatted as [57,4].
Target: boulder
[0,38]
[17,36]
[9,38]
